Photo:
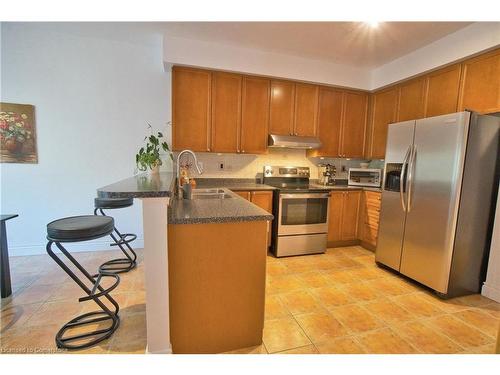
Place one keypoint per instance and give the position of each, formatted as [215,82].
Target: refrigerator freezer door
[439,153]
[392,214]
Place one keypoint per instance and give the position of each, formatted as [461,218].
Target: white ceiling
[350,43]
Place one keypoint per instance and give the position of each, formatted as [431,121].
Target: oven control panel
[283,171]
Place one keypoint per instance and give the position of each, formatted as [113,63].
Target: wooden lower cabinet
[369,218]
[243,194]
[263,199]
[343,215]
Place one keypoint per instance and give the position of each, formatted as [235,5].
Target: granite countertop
[141,186]
[219,210]
[234,184]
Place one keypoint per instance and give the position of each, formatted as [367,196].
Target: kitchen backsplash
[250,166]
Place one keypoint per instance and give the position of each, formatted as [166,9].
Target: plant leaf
[160,135]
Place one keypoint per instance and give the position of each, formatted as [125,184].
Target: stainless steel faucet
[200,170]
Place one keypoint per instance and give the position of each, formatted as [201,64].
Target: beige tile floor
[338,302]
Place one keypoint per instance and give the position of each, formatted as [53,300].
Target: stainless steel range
[301,212]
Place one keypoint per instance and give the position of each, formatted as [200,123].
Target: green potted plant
[148,156]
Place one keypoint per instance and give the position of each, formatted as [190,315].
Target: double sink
[213,193]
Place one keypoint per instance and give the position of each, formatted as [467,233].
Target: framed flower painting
[17,133]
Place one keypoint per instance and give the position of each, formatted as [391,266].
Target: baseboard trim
[491,292]
[343,243]
[164,351]
[72,247]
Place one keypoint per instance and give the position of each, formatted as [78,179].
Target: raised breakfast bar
[205,262]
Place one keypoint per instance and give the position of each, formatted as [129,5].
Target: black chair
[77,229]
[121,240]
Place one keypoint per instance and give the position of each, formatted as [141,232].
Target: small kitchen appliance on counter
[326,174]
[364,177]
[300,211]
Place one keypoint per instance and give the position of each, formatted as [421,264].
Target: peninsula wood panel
[226,112]
[217,276]
[281,115]
[243,194]
[480,89]
[191,94]
[306,110]
[442,91]
[255,115]
[411,105]
[384,112]
[329,122]
[354,124]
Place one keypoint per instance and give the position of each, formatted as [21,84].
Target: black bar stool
[121,240]
[77,229]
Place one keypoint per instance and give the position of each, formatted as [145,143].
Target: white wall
[470,40]
[199,53]
[93,98]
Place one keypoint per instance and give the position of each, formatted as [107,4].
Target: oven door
[302,213]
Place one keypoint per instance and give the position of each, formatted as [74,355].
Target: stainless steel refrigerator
[440,185]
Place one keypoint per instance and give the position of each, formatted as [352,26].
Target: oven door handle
[302,196]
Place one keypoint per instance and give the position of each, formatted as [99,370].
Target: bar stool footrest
[82,320]
[125,239]
[96,292]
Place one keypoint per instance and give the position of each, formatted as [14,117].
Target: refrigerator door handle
[410,176]
[401,182]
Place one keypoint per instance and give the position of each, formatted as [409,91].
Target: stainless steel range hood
[293,141]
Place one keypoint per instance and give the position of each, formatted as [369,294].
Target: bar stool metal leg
[120,265]
[95,293]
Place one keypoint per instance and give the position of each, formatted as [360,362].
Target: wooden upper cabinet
[306,110]
[384,108]
[281,115]
[480,89]
[226,112]
[350,214]
[411,100]
[442,91]
[329,122]
[354,124]
[254,115]
[191,109]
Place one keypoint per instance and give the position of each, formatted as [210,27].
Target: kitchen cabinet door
[282,107]
[329,123]
[226,112]
[254,115]
[244,194]
[191,109]
[264,199]
[306,110]
[442,91]
[384,108]
[354,124]
[350,214]
[480,88]
[411,100]
[335,216]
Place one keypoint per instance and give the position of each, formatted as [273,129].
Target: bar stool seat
[79,228]
[76,229]
[111,203]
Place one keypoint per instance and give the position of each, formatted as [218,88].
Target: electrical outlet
[221,166]
[343,169]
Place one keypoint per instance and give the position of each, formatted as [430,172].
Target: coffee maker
[326,174]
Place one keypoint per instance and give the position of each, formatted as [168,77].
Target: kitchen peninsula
[205,279]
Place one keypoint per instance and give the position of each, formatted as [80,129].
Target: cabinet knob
[208,148]
[243,151]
